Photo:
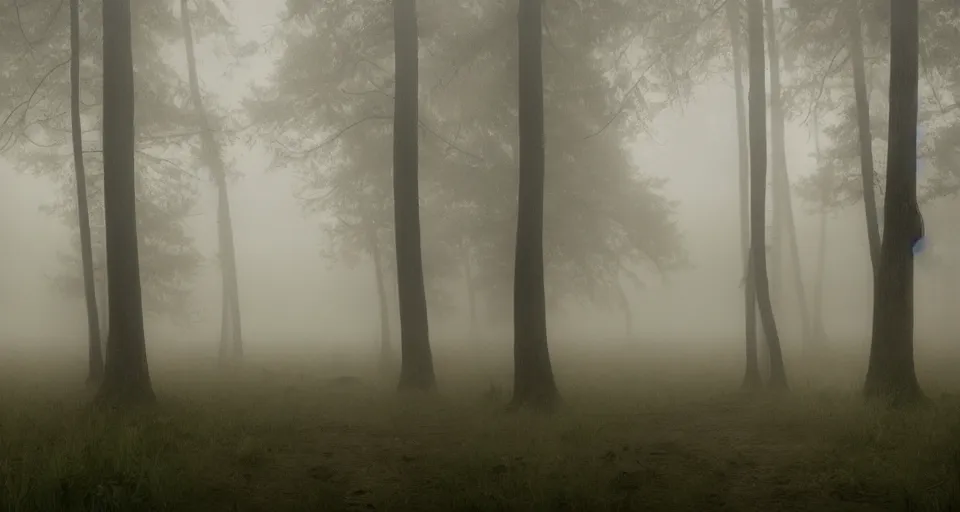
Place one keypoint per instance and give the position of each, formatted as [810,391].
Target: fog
[293,297]
[275,145]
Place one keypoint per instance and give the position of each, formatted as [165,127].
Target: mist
[282,178]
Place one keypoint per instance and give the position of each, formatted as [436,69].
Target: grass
[641,430]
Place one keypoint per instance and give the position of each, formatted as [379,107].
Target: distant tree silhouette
[94,337]
[758,171]
[751,374]
[231,332]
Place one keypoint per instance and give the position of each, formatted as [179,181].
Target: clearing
[642,429]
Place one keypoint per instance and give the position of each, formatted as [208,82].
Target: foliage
[602,218]
[37,130]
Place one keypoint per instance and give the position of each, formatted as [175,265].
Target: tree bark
[533,384]
[751,377]
[864,132]
[386,352]
[891,374]
[416,366]
[103,303]
[94,339]
[126,374]
[782,195]
[758,167]
[231,333]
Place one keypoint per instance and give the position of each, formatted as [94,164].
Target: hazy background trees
[621,220]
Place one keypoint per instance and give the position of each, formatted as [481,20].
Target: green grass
[639,432]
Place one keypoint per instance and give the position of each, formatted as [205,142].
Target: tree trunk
[416,366]
[864,133]
[758,167]
[819,329]
[231,334]
[470,287]
[386,353]
[103,303]
[891,374]
[751,377]
[94,341]
[533,382]
[781,192]
[126,374]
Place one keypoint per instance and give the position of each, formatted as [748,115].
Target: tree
[231,334]
[533,382]
[416,366]
[783,207]
[853,16]
[828,36]
[38,131]
[751,376]
[126,374]
[891,374]
[758,170]
[819,189]
[601,214]
[94,341]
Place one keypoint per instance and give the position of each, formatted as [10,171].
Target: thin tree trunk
[819,329]
[891,374]
[533,383]
[386,353]
[782,195]
[94,341]
[231,334]
[470,287]
[416,367]
[758,167]
[751,377]
[126,374]
[225,332]
[864,132]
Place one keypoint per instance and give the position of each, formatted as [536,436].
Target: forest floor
[636,433]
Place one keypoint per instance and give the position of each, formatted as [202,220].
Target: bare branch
[636,84]
[823,82]
[336,135]
[29,100]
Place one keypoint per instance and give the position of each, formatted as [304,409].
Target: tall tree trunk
[751,377]
[386,353]
[470,286]
[94,340]
[533,382]
[126,374]
[758,199]
[891,374]
[416,367]
[103,303]
[231,334]
[819,329]
[864,132]
[782,195]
